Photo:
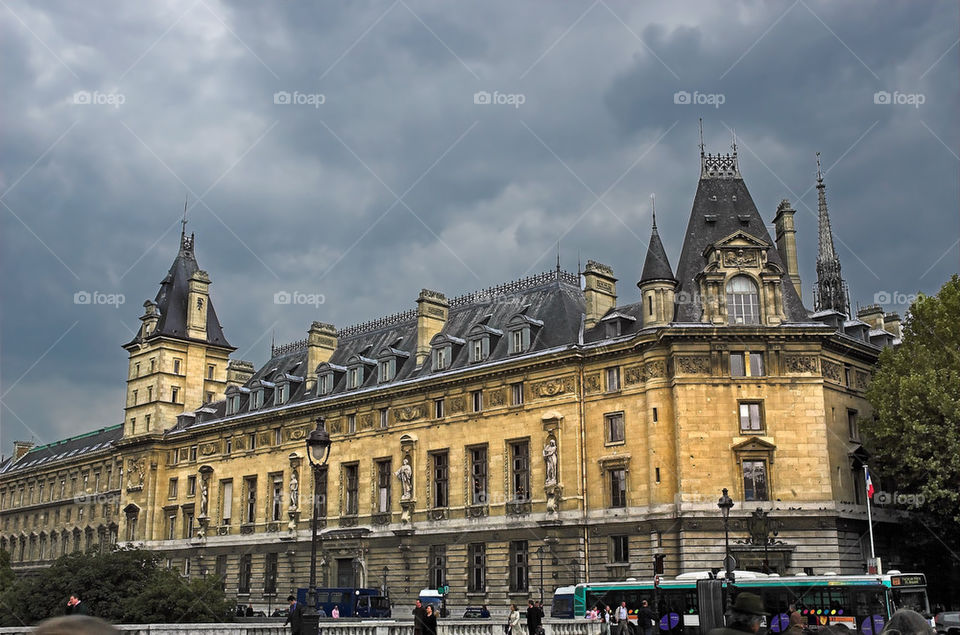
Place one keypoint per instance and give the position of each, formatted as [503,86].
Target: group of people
[534,619]
[617,621]
[424,619]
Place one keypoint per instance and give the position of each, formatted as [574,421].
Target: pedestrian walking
[294,616]
[604,616]
[745,616]
[534,618]
[75,606]
[430,621]
[646,619]
[623,620]
[513,620]
[335,612]
[419,615]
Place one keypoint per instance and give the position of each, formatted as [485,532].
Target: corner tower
[657,284]
[178,360]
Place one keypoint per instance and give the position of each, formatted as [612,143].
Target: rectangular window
[281,394]
[516,341]
[176,367]
[246,572]
[519,565]
[276,504]
[440,358]
[250,485]
[146,422]
[137,366]
[220,570]
[755,481]
[384,418]
[657,475]
[520,470]
[848,376]
[252,441]
[852,426]
[229,445]
[171,524]
[350,473]
[437,566]
[172,492]
[438,409]
[441,479]
[324,384]
[613,379]
[187,524]
[351,423]
[619,549]
[516,394]
[746,364]
[355,377]
[191,485]
[478,475]
[135,392]
[174,394]
[270,574]
[384,374]
[383,485]
[153,364]
[256,399]
[751,417]
[321,496]
[613,423]
[193,453]
[149,393]
[618,487]
[479,349]
[655,415]
[477,567]
[226,501]
[210,369]
[277,436]
[477,396]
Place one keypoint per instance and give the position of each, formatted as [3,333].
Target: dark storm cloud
[304,198]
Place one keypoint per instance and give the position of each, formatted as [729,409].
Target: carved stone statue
[550,459]
[294,490]
[204,497]
[135,473]
[405,474]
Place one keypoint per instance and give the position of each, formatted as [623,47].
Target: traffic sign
[443,590]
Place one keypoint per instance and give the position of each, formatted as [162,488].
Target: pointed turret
[657,283]
[831,291]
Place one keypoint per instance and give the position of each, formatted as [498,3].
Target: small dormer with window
[389,362]
[235,395]
[481,340]
[616,324]
[444,349]
[522,330]
[327,377]
[261,391]
[286,385]
[359,368]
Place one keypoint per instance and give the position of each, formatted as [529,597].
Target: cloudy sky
[338,149]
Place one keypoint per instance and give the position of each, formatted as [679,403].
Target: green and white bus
[695,602]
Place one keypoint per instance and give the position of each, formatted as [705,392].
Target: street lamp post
[318,451]
[726,504]
[540,557]
[760,527]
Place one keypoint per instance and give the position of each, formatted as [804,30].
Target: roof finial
[701,136]
[558,255]
[653,206]
[733,146]
[819,174]
[183,223]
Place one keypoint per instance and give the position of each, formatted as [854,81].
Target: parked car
[948,623]
[476,613]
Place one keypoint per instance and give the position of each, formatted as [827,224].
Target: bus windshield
[913,599]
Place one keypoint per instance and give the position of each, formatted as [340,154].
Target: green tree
[121,586]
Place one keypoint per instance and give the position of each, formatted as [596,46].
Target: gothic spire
[831,291]
[656,266]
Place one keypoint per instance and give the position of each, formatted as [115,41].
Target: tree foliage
[123,586]
[915,436]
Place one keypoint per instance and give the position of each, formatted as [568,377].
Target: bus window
[336,597]
[913,599]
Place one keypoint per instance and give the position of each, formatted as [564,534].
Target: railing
[342,627]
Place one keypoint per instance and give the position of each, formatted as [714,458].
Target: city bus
[695,602]
[350,602]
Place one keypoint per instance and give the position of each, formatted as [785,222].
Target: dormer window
[325,383]
[519,340]
[743,301]
[388,369]
[327,376]
[616,323]
[445,349]
[355,377]
[256,399]
[520,326]
[482,341]
[441,357]
[282,394]
[390,361]
[358,368]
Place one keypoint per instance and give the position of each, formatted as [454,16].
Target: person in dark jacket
[249,611]
[294,616]
[534,618]
[430,621]
[745,616]
[76,607]
[419,615]
[646,619]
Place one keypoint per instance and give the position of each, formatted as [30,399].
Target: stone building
[553,426]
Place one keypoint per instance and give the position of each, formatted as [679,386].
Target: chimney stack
[197,299]
[20,448]
[239,371]
[321,344]
[432,311]
[873,315]
[599,292]
[787,243]
[891,324]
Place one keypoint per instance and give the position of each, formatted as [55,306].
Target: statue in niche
[294,490]
[405,474]
[550,460]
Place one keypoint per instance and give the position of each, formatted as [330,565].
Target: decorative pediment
[754,444]
[739,238]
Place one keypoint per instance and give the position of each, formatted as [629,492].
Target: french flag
[869,485]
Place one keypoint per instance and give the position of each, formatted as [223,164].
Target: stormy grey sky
[112,112]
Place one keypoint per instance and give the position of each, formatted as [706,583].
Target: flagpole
[873,554]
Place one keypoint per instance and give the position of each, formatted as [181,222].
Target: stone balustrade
[343,627]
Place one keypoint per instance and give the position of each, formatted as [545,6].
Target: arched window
[743,301]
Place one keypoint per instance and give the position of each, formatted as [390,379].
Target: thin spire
[831,291]
[183,223]
[558,255]
[733,146]
[653,207]
[701,137]
[819,173]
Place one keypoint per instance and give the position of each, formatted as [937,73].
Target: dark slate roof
[728,203]
[41,456]
[554,298]
[656,266]
[172,297]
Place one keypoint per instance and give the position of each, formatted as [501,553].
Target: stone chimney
[197,299]
[20,448]
[891,324]
[432,310]
[787,242]
[872,315]
[239,371]
[321,343]
[599,292]
[150,318]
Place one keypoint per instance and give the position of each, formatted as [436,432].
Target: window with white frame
[325,384]
[441,357]
[355,377]
[743,301]
[613,378]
